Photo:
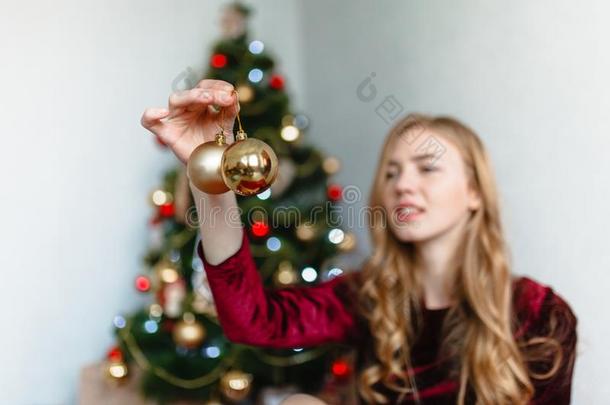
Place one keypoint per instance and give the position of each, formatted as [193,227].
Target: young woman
[436,313]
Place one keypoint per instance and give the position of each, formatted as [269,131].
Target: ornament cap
[241,135]
[221,139]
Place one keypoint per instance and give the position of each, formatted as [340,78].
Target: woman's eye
[429,168]
[389,175]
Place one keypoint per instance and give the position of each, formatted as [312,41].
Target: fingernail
[205,94]
[225,96]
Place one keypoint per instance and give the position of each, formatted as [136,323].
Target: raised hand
[189,119]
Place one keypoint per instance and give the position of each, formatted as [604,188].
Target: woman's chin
[409,233]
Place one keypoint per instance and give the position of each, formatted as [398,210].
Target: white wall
[532,79]
[76,167]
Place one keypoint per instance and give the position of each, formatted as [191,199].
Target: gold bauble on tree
[235,385]
[249,166]
[189,332]
[204,166]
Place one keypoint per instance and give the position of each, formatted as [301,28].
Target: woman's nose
[406,182]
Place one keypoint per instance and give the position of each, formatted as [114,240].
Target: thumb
[232,109]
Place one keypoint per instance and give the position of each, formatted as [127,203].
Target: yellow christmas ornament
[235,385]
[249,166]
[166,272]
[204,166]
[189,332]
[348,243]
[305,231]
[285,275]
[245,92]
[331,165]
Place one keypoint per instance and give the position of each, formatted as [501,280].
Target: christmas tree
[176,340]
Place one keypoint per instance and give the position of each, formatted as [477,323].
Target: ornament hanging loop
[241,134]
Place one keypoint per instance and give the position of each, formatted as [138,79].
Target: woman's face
[426,191]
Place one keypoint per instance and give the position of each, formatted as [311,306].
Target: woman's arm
[250,313]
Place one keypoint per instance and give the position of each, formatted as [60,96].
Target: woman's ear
[474,199]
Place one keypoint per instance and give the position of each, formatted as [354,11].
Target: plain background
[76,167]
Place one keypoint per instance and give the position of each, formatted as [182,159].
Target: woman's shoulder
[537,305]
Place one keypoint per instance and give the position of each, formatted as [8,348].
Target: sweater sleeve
[556,319]
[290,317]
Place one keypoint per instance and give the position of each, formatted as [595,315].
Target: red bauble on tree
[334,192]
[276,82]
[142,283]
[341,369]
[218,61]
[260,228]
[167,210]
[115,354]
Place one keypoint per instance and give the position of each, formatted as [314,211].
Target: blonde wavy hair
[478,328]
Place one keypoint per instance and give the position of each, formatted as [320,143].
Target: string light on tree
[256,47]
[290,133]
[309,274]
[235,385]
[301,121]
[336,236]
[274,244]
[116,371]
[255,75]
[160,197]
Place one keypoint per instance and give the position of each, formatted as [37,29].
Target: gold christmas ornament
[285,275]
[249,166]
[331,165]
[189,332]
[235,385]
[305,231]
[348,243]
[204,165]
[166,272]
[245,93]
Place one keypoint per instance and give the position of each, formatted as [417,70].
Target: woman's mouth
[409,213]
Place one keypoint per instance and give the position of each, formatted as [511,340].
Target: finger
[151,119]
[229,106]
[182,99]
[215,85]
